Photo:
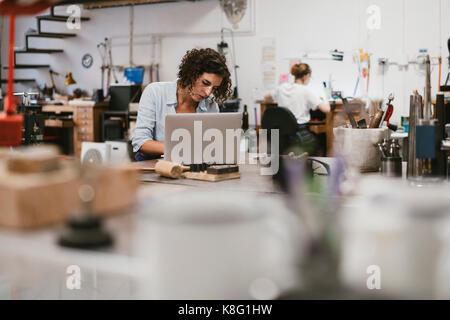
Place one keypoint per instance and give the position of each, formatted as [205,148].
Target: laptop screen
[194,138]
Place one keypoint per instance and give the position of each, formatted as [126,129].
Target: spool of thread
[168,169]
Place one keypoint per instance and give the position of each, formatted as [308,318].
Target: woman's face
[204,86]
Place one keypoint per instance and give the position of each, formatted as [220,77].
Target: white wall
[297,25]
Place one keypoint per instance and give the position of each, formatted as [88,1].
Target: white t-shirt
[298,98]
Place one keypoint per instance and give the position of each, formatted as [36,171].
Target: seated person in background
[296,96]
[203,80]
[300,99]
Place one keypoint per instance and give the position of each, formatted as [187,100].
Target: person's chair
[291,134]
[294,140]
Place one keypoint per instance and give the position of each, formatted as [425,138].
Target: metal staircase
[39,34]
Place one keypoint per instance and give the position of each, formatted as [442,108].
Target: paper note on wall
[268,51]
[283,78]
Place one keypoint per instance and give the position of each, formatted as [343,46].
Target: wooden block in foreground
[34,159]
[211,177]
[37,199]
[116,190]
[32,200]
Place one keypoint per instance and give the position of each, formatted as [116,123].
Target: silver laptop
[193,138]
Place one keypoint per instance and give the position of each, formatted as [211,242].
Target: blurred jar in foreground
[390,238]
[218,245]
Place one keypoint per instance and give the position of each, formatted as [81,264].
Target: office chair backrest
[280,118]
[283,119]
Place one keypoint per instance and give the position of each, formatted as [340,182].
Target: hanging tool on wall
[111,64]
[101,47]
[104,48]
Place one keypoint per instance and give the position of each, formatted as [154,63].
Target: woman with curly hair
[203,81]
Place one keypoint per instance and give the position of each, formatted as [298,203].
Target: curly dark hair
[198,61]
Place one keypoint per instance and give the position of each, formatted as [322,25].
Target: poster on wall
[268,51]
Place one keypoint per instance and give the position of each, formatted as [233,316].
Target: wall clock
[87,60]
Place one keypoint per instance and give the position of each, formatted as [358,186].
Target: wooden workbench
[251,180]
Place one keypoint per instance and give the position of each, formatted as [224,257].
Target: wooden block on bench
[211,177]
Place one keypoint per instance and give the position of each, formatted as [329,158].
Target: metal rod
[415,113]
[411,136]
[131,34]
[427,91]
[10,106]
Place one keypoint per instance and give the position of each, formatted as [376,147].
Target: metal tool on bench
[222,169]
[391,161]
[214,169]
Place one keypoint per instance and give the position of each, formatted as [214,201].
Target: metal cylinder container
[391,166]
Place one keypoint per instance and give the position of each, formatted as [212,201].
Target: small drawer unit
[87,125]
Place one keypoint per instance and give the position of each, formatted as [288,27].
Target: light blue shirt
[158,100]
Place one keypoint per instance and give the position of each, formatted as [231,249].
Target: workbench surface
[250,181]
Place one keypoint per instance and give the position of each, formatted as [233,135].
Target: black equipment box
[122,95]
